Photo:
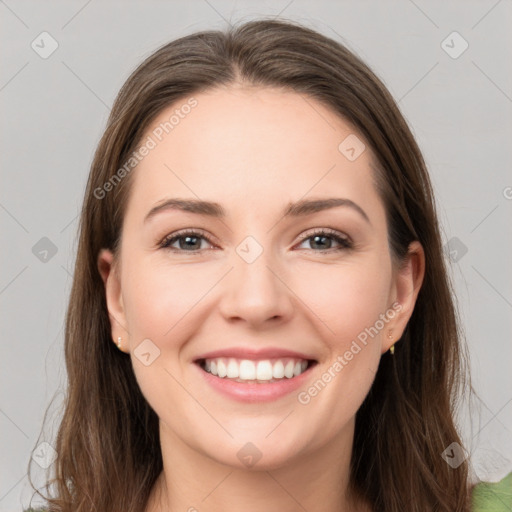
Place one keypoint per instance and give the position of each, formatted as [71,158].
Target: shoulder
[493,497]
[485,497]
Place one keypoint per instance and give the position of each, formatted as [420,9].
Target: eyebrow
[300,208]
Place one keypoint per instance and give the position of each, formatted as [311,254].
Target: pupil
[188,239]
[319,237]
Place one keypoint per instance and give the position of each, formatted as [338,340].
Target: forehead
[240,144]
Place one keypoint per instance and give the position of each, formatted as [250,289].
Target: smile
[264,371]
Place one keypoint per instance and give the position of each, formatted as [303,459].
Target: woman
[261,317]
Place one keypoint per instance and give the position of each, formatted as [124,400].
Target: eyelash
[344,242]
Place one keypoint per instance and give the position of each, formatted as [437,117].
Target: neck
[192,481]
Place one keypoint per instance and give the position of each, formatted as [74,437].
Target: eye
[188,241]
[323,239]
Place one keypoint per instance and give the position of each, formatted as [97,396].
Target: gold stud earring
[392,348]
[119,342]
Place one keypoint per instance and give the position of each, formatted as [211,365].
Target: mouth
[248,371]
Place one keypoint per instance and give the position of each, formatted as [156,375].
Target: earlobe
[111,279]
[408,282]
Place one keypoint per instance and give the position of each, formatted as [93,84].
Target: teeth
[233,369]
[264,370]
[278,370]
[288,369]
[222,371]
[248,370]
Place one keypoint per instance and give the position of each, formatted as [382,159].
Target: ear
[408,279]
[109,272]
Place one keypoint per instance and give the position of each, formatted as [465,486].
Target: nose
[256,292]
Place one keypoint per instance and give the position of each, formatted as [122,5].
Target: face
[269,288]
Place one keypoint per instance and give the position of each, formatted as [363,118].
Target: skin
[254,150]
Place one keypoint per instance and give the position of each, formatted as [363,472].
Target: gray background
[54,111]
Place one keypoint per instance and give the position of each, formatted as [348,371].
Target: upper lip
[254,354]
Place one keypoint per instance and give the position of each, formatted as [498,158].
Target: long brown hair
[108,440]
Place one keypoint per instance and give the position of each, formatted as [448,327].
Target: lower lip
[254,392]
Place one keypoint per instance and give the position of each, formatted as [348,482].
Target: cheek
[159,300]
[157,296]
[347,297]
[349,301]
